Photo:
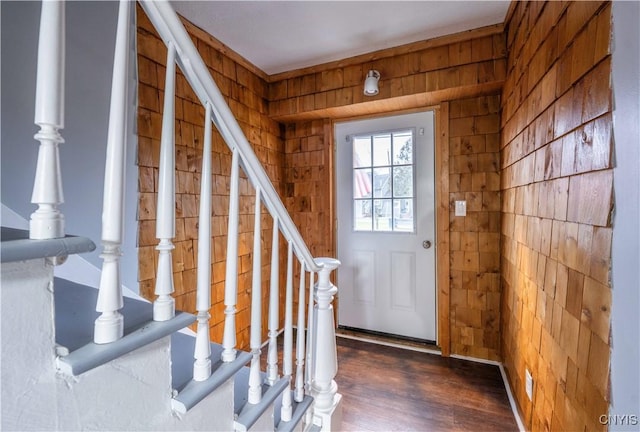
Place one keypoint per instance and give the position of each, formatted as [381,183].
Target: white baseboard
[512,400]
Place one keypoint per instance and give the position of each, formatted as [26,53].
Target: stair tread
[191,392]
[75,307]
[75,315]
[247,413]
[298,408]
[17,246]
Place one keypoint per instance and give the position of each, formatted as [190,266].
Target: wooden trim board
[442,227]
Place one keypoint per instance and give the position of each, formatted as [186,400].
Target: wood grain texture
[375,107]
[529,148]
[425,73]
[557,198]
[387,388]
[474,239]
[245,92]
[453,70]
[442,227]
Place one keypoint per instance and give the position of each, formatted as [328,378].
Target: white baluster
[109,325]
[231,279]
[164,306]
[299,388]
[287,358]
[324,388]
[47,221]
[274,304]
[202,364]
[310,320]
[255,385]
[308,372]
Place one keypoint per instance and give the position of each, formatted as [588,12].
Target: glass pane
[362,152]
[362,215]
[403,181]
[402,148]
[382,150]
[403,215]
[382,182]
[362,183]
[382,215]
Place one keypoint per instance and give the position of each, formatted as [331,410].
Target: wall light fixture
[371,83]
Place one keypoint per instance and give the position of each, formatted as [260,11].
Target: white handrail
[172,31]
[321,365]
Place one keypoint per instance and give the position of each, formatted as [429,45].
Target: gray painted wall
[625,358]
[90,33]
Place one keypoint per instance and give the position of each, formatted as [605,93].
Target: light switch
[461,208]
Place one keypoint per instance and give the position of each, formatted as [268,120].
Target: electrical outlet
[529,384]
[461,208]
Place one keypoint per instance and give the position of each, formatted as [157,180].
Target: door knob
[426,244]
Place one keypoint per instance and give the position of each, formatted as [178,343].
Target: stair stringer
[132,392]
[28,353]
[136,392]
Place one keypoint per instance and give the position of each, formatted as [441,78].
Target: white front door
[386,220]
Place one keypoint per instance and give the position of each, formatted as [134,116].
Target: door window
[384,182]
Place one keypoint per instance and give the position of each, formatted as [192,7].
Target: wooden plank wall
[546,138]
[413,76]
[246,94]
[474,239]
[308,187]
[556,164]
[473,314]
[308,174]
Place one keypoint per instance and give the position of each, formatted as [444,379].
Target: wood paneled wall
[474,239]
[557,198]
[308,177]
[473,311]
[533,163]
[413,76]
[246,93]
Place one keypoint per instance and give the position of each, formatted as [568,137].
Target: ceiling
[278,36]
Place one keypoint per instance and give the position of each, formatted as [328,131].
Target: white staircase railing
[321,343]
[315,363]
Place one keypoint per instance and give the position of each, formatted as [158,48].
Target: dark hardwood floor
[393,389]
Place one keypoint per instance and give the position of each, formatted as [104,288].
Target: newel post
[327,410]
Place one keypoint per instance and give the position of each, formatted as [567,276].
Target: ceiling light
[371,83]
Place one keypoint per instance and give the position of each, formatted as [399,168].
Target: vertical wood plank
[442,228]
